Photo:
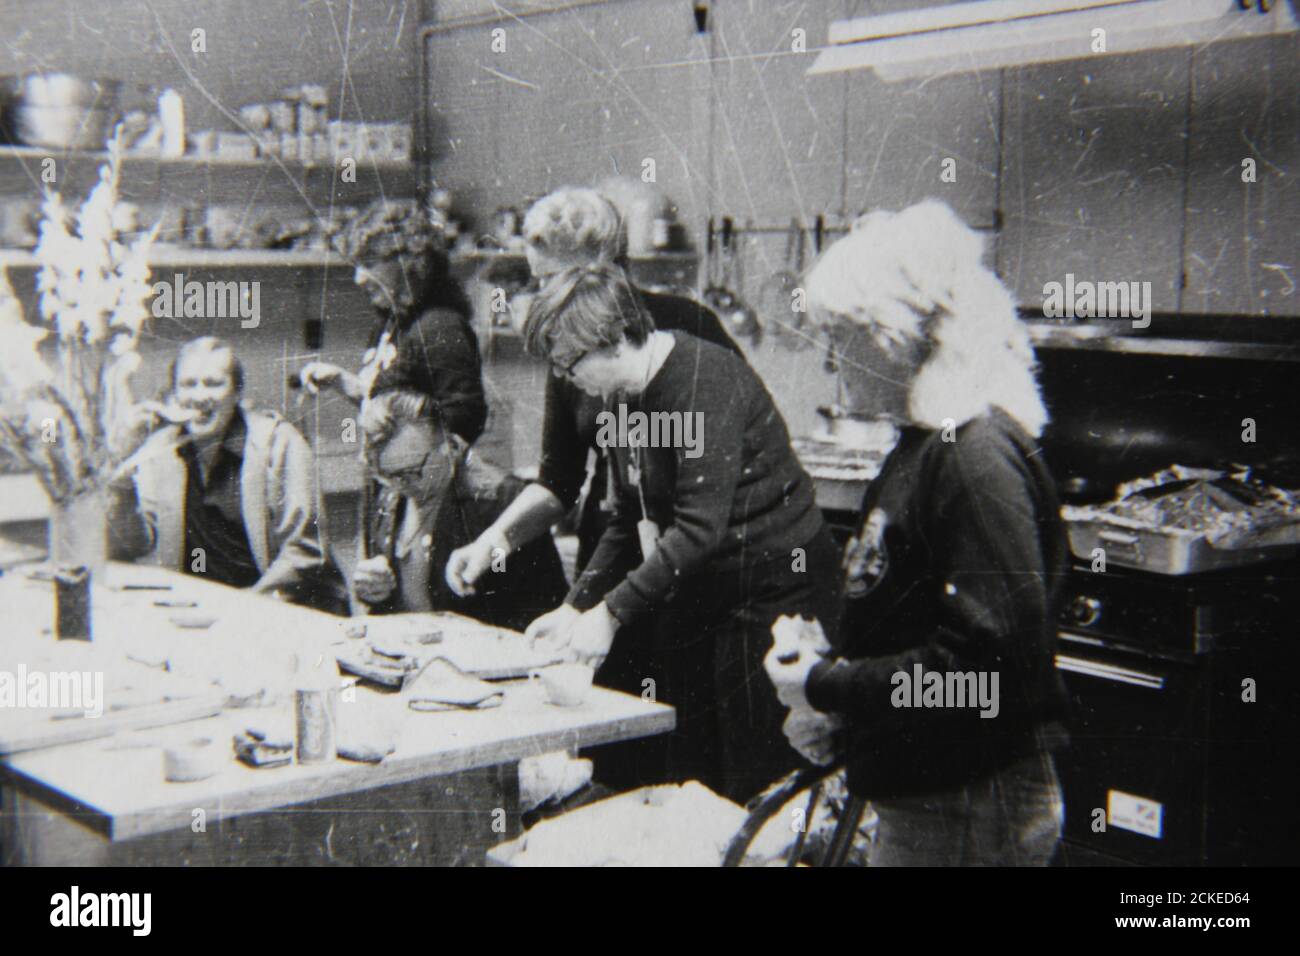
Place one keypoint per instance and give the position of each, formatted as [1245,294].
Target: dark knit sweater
[744,500]
[962,562]
[569,425]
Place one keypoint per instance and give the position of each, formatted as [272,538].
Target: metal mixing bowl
[63,111]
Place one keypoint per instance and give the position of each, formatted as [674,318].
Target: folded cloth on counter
[362,733]
[551,777]
[362,750]
[441,685]
[274,727]
[381,668]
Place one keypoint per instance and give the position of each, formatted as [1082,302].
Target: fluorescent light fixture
[991,34]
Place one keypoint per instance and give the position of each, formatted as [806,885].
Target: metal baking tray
[1162,550]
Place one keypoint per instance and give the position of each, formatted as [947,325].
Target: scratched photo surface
[648,432]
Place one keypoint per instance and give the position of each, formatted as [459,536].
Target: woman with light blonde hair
[573,226]
[942,697]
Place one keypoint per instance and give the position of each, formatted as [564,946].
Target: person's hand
[553,626]
[797,647]
[140,421]
[466,565]
[132,429]
[592,635]
[316,376]
[374,579]
[812,734]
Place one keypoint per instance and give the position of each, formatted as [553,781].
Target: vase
[79,532]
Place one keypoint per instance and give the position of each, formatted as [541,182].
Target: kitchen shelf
[37,153]
[184,256]
[208,258]
[151,180]
[1093,338]
[513,257]
[679,266]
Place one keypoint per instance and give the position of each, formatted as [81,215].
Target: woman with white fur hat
[942,696]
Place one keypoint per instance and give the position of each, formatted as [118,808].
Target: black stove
[1184,706]
[1184,690]
[1175,616]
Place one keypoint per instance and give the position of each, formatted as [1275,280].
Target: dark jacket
[435,353]
[533,580]
[279,505]
[958,568]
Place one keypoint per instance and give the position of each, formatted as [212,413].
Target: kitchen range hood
[990,34]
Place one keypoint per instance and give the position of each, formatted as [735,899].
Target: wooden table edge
[356,778]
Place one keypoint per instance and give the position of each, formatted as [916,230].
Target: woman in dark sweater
[424,340]
[571,227]
[577,227]
[943,679]
[715,534]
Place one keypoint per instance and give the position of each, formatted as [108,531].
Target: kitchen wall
[1125,167]
[1120,168]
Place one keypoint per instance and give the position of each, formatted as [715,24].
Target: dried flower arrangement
[58,417]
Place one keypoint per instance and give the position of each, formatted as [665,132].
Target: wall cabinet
[1093,172]
[777,137]
[1241,237]
[898,136]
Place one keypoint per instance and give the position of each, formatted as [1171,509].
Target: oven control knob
[1084,611]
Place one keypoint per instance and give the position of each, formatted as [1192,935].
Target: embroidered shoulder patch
[866,559]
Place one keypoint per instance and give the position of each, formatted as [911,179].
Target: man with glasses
[438,496]
[713,538]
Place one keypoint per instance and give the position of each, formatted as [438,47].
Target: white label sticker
[1137,814]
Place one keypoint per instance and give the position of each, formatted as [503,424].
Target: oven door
[1134,774]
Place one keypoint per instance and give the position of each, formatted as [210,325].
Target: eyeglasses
[403,476]
[566,371]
